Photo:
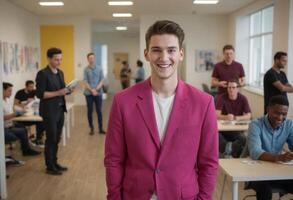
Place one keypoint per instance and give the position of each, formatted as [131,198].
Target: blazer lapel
[146,108]
[177,113]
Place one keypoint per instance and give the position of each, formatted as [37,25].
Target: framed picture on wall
[205,60]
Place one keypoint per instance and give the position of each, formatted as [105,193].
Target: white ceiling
[101,13]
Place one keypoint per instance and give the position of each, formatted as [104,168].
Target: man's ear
[181,52]
[146,55]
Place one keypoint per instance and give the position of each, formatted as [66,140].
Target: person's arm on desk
[285,157]
[12,115]
[255,147]
[219,108]
[245,116]
[228,117]
[9,116]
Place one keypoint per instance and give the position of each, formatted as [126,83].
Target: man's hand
[94,92]
[19,113]
[30,100]
[230,117]
[223,84]
[286,157]
[63,92]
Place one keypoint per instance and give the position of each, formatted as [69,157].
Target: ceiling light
[205,1]
[121,28]
[120,3]
[51,3]
[122,15]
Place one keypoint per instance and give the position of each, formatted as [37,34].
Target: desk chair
[206,88]
[247,185]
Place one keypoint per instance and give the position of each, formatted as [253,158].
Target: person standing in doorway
[162,140]
[275,80]
[125,75]
[94,80]
[50,89]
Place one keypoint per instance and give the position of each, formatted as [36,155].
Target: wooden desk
[222,126]
[68,122]
[239,171]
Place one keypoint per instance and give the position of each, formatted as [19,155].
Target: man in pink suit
[162,140]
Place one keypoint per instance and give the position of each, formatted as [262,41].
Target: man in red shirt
[227,70]
[232,106]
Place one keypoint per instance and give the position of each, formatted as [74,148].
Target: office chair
[206,88]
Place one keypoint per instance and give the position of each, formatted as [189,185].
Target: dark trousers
[238,140]
[53,127]
[264,189]
[90,101]
[15,133]
[39,128]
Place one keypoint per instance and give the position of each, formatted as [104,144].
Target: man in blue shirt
[266,138]
[93,78]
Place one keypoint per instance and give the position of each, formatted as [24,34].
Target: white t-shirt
[7,109]
[162,107]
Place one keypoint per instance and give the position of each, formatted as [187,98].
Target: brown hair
[90,54]
[279,55]
[164,27]
[234,81]
[53,51]
[228,47]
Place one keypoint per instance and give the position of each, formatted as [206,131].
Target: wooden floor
[85,179]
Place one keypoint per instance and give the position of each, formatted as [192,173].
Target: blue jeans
[12,134]
[90,100]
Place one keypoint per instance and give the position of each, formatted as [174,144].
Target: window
[260,45]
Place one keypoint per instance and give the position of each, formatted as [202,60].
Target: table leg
[222,191]
[235,190]
[68,124]
[63,136]
[72,116]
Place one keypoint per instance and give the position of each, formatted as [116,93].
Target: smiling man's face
[164,55]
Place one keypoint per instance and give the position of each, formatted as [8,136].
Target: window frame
[261,70]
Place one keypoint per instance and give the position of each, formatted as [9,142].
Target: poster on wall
[16,58]
[205,60]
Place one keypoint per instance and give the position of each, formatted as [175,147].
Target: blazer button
[158,171]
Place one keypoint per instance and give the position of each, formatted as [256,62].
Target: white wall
[280,40]
[22,27]
[290,56]
[117,42]
[82,43]
[201,33]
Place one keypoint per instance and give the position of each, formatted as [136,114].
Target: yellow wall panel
[61,37]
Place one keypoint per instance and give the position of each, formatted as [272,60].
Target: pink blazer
[184,166]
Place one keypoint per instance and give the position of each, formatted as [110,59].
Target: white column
[3,189]
[290,57]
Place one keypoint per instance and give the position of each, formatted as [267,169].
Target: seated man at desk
[22,98]
[11,132]
[232,106]
[266,138]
